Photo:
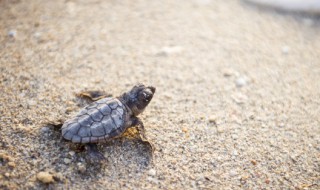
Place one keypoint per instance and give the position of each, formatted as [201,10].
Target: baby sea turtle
[108,118]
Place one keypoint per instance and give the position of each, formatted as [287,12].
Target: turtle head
[138,98]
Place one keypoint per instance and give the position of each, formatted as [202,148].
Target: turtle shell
[98,122]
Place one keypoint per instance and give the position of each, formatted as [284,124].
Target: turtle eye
[145,97]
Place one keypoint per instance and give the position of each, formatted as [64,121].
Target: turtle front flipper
[93,153]
[136,122]
[93,95]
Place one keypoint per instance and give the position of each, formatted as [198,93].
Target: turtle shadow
[126,147]
[68,162]
[123,155]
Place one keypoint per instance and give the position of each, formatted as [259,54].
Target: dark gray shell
[98,122]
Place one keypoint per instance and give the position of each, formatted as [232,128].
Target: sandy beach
[237,104]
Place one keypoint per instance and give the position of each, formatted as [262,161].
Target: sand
[237,103]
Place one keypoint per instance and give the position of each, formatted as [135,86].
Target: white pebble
[37,35]
[165,51]
[150,179]
[240,82]
[234,136]
[71,153]
[67,161]
[152,172]
[32,103]
[235,153]
[233,173]
[12,33]
[285,49]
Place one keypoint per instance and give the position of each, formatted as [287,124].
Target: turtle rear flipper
[93,153]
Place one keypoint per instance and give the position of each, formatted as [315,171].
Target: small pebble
[267,181]
[152,180]
[69,109]
[285,49]
[58,176]
[235,153]
[240,82]
[212,119]
[253,162]
[12,164]
[152,172]
[227,73]
[45,129]
[234,136]
[166,51]
[213,163]
[36,24]
[67,161]
[81,167]
[7,174]
[233,173]
[202,117]
[71,153]
[185,130]
[12,33]
[45,177]
[6,157]
[37,35]
[32,103]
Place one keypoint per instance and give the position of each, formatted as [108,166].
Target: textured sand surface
[237,103]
